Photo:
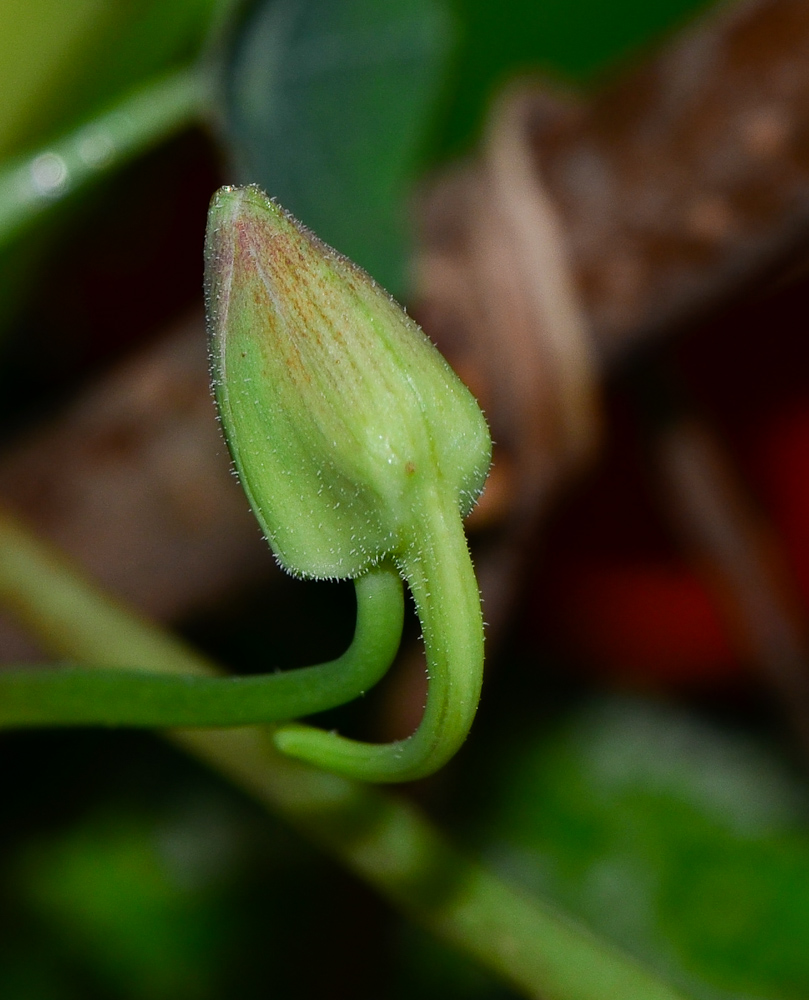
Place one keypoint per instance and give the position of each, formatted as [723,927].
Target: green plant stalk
[383,839]
[81,696]
[438,570]
[31,185]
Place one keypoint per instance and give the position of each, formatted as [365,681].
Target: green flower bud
[340,414]
[356,444]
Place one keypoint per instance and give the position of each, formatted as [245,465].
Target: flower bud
[340,414]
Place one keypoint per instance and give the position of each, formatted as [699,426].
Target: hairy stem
[80,696]
[384,840]
[438,569]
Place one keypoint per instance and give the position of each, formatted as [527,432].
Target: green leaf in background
[41,42]
[63,62]
[59,62]
[138,908]
[687,846]
[328,105]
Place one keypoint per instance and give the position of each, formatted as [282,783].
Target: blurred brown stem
[740,558]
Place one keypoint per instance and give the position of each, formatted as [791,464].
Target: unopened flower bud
[340,414]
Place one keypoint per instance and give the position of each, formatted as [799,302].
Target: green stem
[438,569]
[384,840]
[390,844]
[30,185]
[81,696]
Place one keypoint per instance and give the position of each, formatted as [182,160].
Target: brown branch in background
[736,552]
[688,178]
[676,187]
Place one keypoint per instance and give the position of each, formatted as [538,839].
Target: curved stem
[75,696]
[31,184]
[439,572]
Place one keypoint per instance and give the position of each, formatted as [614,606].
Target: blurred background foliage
[127,872]
[60,62]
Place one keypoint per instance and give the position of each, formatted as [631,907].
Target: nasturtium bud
[340,414]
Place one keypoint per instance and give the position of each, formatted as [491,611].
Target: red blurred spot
[639,622]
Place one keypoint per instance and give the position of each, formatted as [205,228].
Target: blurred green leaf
[62,61]
[327,108]
[137,905]
[686,846]
[41,44]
